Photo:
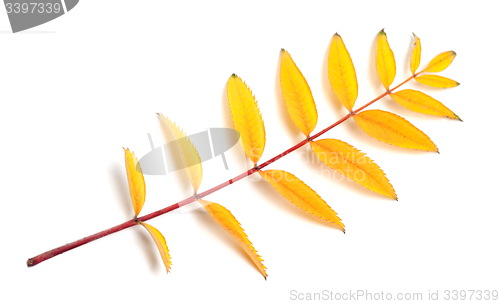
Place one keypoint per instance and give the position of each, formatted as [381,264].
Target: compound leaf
[341,73]
[246,117]
[297,94]
[302,196]
[136,183]
[393,129]
[226,220]
[353,164]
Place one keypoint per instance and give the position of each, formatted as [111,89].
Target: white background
[76,90]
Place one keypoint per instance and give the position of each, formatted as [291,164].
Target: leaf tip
[382,32]
[340,226]
[234,75]
[283,50]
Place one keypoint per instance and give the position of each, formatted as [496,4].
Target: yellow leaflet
[302,196]
[437,81]
[354,164]
[393,129]
[386,64]
[136,183]
[297,94]
[415,55]
[441,62]
[341,73]
[246,117]
[188,152]
[422,103]
[226,220]
[160,243]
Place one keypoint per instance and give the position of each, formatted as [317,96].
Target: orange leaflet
[297,94]
[226,220]
[161,244]
[441,62]
[415,54]
[385,62]
[422,103]
[246,117]
[136,183]
[393,129]
[354,164]
[302,196]
[341,73]
[437,81]
[188,152]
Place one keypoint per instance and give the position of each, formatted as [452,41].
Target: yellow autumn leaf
[393,129]
[422,103]
[341,73]
[226,220]
[441,62]
[136,183]
[189,155]
[161,244]
[302,196]
[415,54]
[354,164]
[297,94]
[385,62]
[437,81]
[246,116]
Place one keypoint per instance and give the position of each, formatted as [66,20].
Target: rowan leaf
[440,62]
[246,116]
[226,220]
[161,244]
[437,81]
[297,94]
[341,73]
[393,129]
[385,62]
[415,54]
[422,103]
[353,164]
[136,184]
[189,155]
[302,196]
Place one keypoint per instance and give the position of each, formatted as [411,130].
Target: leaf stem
[59,250]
